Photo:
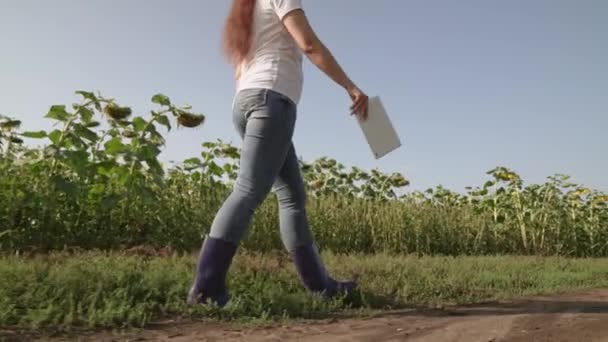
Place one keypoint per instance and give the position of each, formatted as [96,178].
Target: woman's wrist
[351,87]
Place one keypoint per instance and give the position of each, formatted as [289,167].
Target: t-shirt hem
[293,97]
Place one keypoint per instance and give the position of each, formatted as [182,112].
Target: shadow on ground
[498,308]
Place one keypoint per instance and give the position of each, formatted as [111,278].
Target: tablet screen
[378,129]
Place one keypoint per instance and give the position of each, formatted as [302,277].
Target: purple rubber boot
[314,276]
[213,263]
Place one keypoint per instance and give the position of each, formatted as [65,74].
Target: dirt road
[574,317]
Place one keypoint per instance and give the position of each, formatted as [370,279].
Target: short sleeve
[283,7]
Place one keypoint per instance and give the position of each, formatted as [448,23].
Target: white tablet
[378,129]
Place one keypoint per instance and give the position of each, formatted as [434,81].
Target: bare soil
[581,317]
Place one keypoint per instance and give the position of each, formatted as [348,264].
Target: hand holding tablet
[378,129]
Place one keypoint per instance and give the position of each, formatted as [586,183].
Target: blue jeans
[265,120]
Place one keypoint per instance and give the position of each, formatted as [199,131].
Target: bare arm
[300,29]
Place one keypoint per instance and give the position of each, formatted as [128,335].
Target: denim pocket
[249,100]
[281,104]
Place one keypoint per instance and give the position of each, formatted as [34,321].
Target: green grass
[91,290]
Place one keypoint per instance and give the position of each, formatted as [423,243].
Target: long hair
[238,30]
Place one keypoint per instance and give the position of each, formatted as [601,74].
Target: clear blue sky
[470,84]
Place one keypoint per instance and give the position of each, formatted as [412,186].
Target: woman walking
[266,40]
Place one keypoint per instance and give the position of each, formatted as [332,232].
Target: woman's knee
[250,195]
[289,197]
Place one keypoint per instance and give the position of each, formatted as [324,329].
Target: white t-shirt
[274,61]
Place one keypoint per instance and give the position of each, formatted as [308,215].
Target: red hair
[238,30]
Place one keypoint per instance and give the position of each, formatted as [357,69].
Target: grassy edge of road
[62,292]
